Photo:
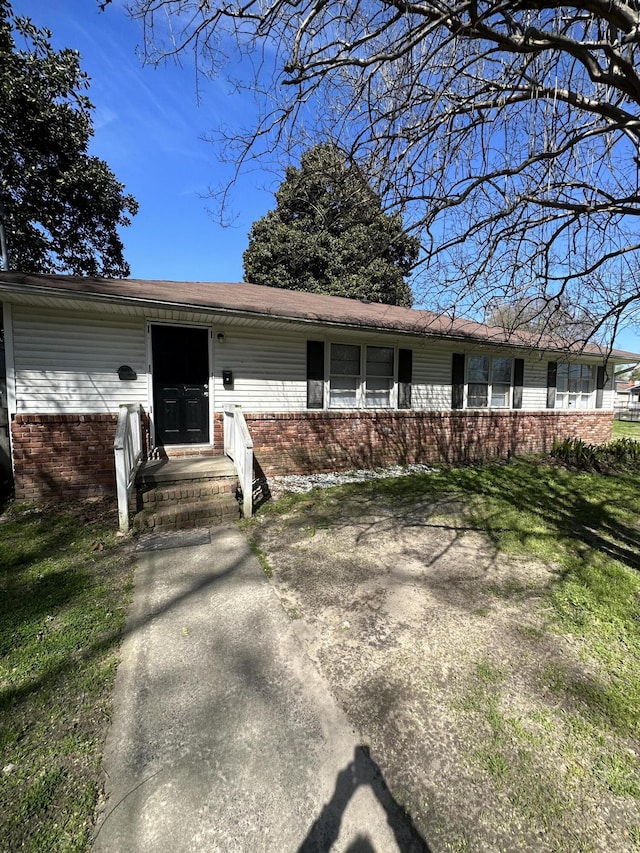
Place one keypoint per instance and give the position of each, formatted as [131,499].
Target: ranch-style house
[320,382]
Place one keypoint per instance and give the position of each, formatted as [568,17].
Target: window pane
[562,377]
[379,361]
[501,370]
[478,369]
[378,393]
[343,391]
[345,359]
[500,395]
[574,386]
[478,395]
[584,387]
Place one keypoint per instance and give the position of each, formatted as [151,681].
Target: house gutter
[102,298]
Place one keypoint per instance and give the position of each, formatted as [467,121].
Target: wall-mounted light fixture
[126,372]
[220,337]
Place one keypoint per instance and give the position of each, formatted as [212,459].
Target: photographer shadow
[363,770]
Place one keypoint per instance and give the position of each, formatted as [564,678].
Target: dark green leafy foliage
[329,234]
[62,207]
[621,453]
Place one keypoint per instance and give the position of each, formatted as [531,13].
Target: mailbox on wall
[227,379]
[126,372]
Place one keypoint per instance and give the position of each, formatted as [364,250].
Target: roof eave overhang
[244,313]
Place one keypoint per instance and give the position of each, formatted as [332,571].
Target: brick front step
[193,491]
[189,491]
[182,452]
[184,512]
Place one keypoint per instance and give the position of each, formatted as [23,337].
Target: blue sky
[149,126]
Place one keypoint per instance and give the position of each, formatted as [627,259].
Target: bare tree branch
[506,132]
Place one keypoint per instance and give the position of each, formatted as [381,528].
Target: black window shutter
[600,381]
[552,372]
[315,374]
[457,380]
[518,382]
[405,377]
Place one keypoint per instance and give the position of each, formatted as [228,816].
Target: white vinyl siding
[66,363]
[431,389]
[608,393]
[269,369]
[534,390]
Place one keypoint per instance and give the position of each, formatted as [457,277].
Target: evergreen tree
[329,234]
[62,207]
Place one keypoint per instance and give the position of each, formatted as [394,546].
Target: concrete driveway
[224,736]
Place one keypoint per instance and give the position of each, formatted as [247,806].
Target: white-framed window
[344,376]
[489,382]
[362,376]
[574,386]
[379,377]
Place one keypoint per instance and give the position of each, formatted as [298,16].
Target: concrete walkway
[225,736]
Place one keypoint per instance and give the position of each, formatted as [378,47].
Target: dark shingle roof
[259,301]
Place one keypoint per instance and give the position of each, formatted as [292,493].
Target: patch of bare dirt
[438,649]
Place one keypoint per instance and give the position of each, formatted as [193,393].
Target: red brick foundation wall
[72,455]
[63,456]
[325,441]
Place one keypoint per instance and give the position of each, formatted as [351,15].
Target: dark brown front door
[180,384]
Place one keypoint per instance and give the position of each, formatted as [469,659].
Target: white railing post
[127,449]
[247,484]
[228,416]
[238,446]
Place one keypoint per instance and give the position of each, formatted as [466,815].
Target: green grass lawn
[587,527]
[626,429]
[588,524]
[65,583]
